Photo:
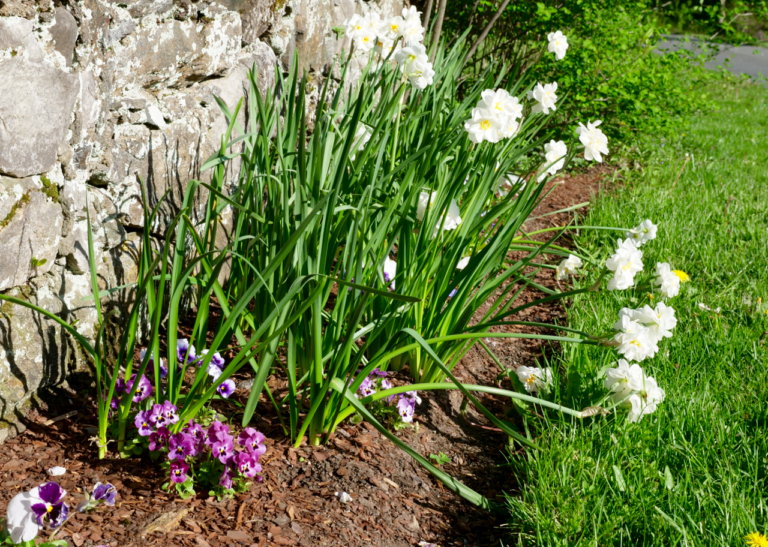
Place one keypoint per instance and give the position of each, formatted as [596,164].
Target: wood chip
[165,522]
[391,483]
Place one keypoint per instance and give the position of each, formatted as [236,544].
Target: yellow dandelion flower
[684,278]
[756,539]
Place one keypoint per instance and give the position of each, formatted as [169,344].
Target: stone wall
[93,94]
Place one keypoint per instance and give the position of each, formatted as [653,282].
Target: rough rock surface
[96,95]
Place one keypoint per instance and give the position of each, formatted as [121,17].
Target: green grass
[694,472]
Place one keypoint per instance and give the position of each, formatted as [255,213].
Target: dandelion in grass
[567,267]
[535,379]
[666,280]
[756,539]
[554,158]
[484,125]
[390,271]
[642,233]
[594,141]
[545,97]
[179,471]
[226,388]
[684,277]
[558,44]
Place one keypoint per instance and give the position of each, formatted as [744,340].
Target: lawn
[694,472]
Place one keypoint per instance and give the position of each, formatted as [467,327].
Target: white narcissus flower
[411,15]
[390,271]
[594,140]
[621,281]
[646,401]
[421,78]
[501,103]
[624,379]
[425,200]
[633,340]
[667,281]
[362,136]
[393,27]
[21,522]
[554,158]
[642,233]
[462,263]
[558,44]
[366,40]
[354,26]
[483,126]
[412,31]
[535,379]
[452,217]
[545,96]
[632,389]
[626,261]
[659,321]
[412,55]
[568,267]
[506,183]
[508,127]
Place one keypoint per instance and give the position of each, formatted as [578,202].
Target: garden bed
[395,502]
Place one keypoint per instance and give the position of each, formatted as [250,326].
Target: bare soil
[395,502]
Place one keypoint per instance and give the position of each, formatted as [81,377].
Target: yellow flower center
[627,267]
[358,27]
[366,39]
[531,379]
[394,28]
[411,58]
[498,107]
[50,508]
[485,124]
[635,343]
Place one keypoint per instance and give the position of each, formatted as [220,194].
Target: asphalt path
[749,60]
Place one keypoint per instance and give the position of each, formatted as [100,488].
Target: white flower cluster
[667,280]
[387,35]
[594,141]
[535,379]
[495,117]
[449,221]
[568,267]
[631,388]
[641,330]
[558,44]
[628,258]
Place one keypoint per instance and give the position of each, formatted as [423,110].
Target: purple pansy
[179,471]
[217,432]
[157,417]
[414,396]
[169,412]
[143,390]
[104,493]
[214,371]
[385,384]
[217,359]
[379,373]
[198,434]
[144,424]
[226,477]
[247,464]
[185,351]
[223,450]
[180,446]
[51,512]
[158,439]
[226,388]
[367,388]
[163,368]
[252,440]
[406,408]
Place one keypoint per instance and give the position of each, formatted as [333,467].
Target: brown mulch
[395,502]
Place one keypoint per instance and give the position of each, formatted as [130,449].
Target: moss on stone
[50,189]
[12,213]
